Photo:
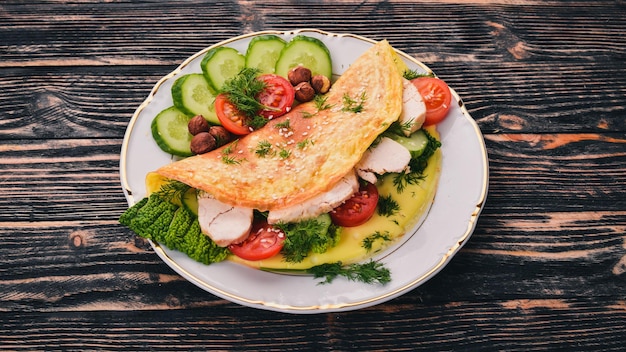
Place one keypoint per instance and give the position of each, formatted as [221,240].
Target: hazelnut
[202,143]
[221,135]
[320,83]
[298,75]
[197,124]
[304,92]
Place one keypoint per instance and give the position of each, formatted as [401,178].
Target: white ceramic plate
[424,252]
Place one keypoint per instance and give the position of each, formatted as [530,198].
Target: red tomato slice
[358,209]
[228,115]
[264,241]
[278,95]
[437,97]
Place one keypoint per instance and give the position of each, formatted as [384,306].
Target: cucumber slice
[169,130]
[192,95]
[221,64]
[190,200]
[309,52]
[263,52]
[415,143]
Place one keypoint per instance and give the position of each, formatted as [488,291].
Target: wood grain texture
[545,269]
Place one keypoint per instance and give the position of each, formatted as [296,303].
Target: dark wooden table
[544,270]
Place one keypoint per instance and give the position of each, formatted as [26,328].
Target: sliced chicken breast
[413,109]
[386,156]
[223,223]
[319,204]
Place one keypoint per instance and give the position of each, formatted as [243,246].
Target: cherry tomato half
[437,97]
[278,95]
[264,241]
[228,115]
[358,209]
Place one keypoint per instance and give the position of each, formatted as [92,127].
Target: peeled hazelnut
[320,83]
[197,124]
[221,135]
[304,92]
[202,143]
[298,75]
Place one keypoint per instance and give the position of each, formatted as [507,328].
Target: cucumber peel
[309,52]
[192,95]
[263,52]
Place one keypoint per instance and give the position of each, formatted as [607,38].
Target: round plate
[424,252]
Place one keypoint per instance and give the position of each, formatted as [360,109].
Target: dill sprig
[242,91]
[284,153]
[320,102]
[387,206]
[227,158]
[353,105]
[173,190]
[412,74]
[399,128]
[370,272]
[368,241]
[285,124]
[263,149]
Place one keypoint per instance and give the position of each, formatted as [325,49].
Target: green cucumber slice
[221,64]
[263,52]
[192,95]
[309,52]
[169,130]
[190,200]
[416,143]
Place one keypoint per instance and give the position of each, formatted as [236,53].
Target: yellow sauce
[413,202]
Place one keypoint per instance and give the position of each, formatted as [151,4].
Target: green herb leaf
[370,272]
[412,74]
[313,235]
[368,241]
[353,105]
[263,149]
[242,91]
[320,102]
[387,206]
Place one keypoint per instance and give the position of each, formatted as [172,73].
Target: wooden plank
[529,325]
[81,34]
[518,98]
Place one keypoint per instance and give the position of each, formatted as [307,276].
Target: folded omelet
[308,150]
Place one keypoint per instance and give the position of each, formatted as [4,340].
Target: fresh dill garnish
[302,144]
[412,74]
[242,91]
[257,121]
[173,190]
[312,235]
[403,179]
[417,165]
[399,128]
[263,149]
[229,149]
[387,206]
[306,114]
[320,102]
[226,157]
[230,160]
[370,272]
[284,153]
[353,105]
[368,241]
[285,124]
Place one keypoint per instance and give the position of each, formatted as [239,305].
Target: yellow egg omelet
[308,150]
